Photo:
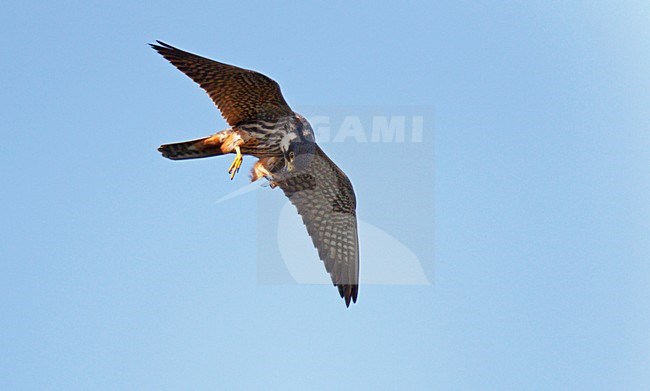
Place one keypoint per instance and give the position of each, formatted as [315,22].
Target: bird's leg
[259,171]
[231,143]
[236,164]
[262,169]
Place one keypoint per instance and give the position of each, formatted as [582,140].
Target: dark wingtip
[161,43]
[349,293]
[161,46]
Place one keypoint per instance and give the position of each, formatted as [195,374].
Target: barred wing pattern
[240,94]
[325,199]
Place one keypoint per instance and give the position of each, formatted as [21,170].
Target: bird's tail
[193,149]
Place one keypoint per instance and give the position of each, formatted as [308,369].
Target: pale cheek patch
[286,141]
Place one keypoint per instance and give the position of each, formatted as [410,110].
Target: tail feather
[192,149]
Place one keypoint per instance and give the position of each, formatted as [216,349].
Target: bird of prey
[263,125]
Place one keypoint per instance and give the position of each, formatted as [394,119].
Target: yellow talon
[236,164]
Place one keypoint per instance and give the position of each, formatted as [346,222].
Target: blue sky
[526,206]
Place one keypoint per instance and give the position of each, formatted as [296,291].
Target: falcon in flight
[263,125]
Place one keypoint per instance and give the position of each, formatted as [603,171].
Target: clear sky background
[120,271]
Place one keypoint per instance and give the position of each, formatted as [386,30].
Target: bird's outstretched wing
[325,199]
[241,95]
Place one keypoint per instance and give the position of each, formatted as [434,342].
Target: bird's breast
[263,138]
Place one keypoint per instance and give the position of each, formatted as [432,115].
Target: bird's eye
[292,155]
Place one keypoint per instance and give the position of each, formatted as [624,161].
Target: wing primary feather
[242,95]
[325,199]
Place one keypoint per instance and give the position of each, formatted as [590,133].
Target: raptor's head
[303,129]
[298,145]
